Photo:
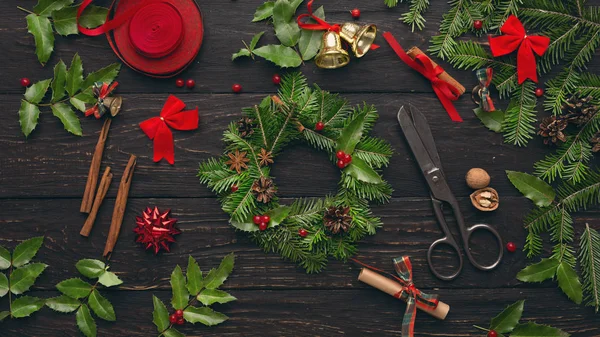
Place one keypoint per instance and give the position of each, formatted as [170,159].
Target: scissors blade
[424,132]
[415,142]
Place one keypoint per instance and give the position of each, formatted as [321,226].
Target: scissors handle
[448,240]
[473,229]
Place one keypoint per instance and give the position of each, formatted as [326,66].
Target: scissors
[419,138]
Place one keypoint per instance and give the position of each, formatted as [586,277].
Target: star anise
[264,189]
[237,161]
[265,157]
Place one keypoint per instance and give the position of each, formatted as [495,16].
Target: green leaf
[85,322]
[109,279]
[3,285]
[255,40]
[277,216]
[74,287]
[4,258]
[28,118]
[173,333]
[160,315]
[58,83]
[492,120]
[23,278]
[46,7]
[90,268]
[101,306]
[360,170]
[180,293]
[26,305]
[569,282]
[74,76]
[65,20]
[3,315]
[242,52]
[194,276]
[280,55]
[541,271]
[508,318]
[352,134]
[93,16]
[264,11]
[537,330]
[26,250]
[63,303]
[36,92]
[79,101]
[210,296]
[288,33]
[310,40]
[216,277]
[532,187]
[203,315]
[105,75]
[68,117]
[41,29]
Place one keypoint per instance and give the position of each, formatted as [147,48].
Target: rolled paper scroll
[414,51]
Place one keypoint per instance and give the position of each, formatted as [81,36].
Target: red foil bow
[157,128]
[515,37]
[445,92]
[103,92]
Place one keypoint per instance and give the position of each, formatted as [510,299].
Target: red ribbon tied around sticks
[445,92]
[157,128]
[515,37]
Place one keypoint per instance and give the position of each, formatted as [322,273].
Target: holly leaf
[36,92]
[101,306]
[310,40]
[173,333]
[160,315]
[360,170]
[41,29]
[3,285]
[280,55]
[104,75]
[288,33]
[3,315]
[277,216]
[85,322]
[508,318]
[492,120]
[74,76]
[351,134]
[541,271]
[65,20]
[284,10]
[23,278]
[255,40]
[91,268]
[68,117]
[4,258]
[81,99]
[109,279]
[250,49]
[569,282]
[210,296]
[216,277]
[180,293]
[63,303]
[240,53]
[58,83]
[537,330]
[46,7]
[532,187]
[74,287]
[25,306]
[26,250]
[264,11]
[93,16]
[194,276]
[203,315]
[28,118]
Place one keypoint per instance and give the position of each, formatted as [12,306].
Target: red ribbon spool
[158,38]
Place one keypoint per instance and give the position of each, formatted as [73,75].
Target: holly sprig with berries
[305,231]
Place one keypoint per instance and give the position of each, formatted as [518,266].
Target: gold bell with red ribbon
[359,37]
[113,104]
[332,55]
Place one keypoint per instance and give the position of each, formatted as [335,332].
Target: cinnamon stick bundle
[414,51]
[102,189]
[120,205]
[92,179]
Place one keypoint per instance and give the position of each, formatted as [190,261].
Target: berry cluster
[179,83]
[177,317]
[262,221]
[344,159]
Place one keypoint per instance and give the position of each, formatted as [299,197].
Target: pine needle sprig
[520,116]
[589,257]
[414,17]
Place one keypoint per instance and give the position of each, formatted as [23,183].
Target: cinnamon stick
[414,51]
[92,179]
[102,189]
[120,205]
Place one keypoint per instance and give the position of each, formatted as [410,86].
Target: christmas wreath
[307,231]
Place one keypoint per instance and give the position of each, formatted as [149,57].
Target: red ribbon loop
[445,92]
[516,38]
[320,25]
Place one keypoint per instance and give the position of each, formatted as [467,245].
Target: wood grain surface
[42,181]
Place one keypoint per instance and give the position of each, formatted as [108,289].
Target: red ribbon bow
[104,91]
[157,128]
[445,92]
[516,38]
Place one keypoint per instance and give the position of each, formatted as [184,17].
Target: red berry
[478,24]
[263,226]
[340,154]
[265,218]
[173,319]
[511,247]
[355,13]
[319,126]
[190,83]
[302,232]
[180,321]
[539,92]
[179,83]
[179,313]
[347,159]
[25,82]
[492,333]
[236,88]
[257,219]
[234,188]
[341,164]
[276,79]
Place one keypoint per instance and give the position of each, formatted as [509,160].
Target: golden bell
[113,104]
[332,55]
[359,37]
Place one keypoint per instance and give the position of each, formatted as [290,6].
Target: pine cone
[579,110]
[551,129]
[336,219]
[246,127]
[264,189]
[596,142]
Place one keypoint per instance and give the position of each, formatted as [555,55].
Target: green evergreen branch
[520,116]
[589,257]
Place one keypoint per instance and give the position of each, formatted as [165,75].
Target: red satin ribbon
[516,37]
[445,92]
[157,128]
[105,90]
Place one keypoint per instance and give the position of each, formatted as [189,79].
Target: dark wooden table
[42,181]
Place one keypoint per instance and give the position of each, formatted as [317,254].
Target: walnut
[477,178]
[485,199]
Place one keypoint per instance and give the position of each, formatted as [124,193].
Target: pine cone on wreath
[579,110]
[551,129]
[246,127]
[264,189]
[595,142]
[336,219]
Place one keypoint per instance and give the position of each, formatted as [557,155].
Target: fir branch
[414,16]
[520,115]
[589,258]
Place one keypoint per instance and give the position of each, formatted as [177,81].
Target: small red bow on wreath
[101,90]
[516,38]
[157,128]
